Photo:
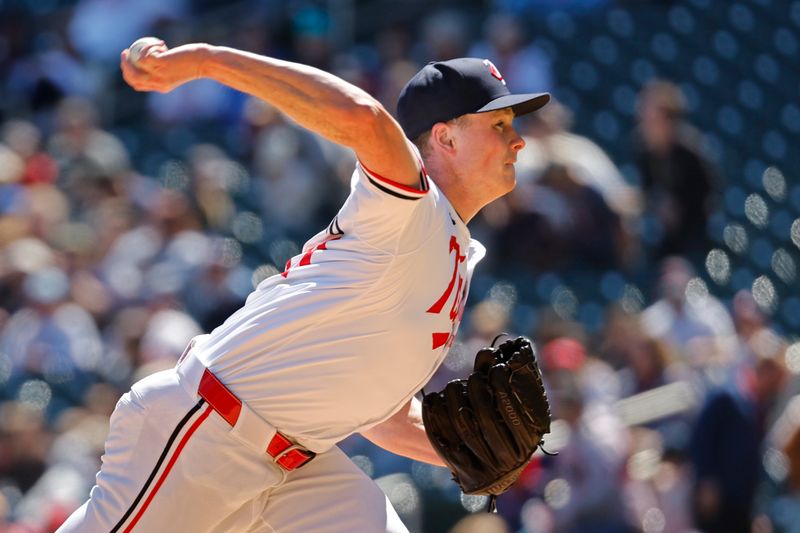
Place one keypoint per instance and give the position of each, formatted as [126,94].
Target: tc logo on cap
[494,71]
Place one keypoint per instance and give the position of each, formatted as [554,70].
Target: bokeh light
[653,521]
[365,463]
[792,357]
[776,464]
[696,291]
[564,302]
[230,253]
[795,232]
[261,273]
[281,250]
[632,299]
[504,294]
[473,504]
[775,183]
[35,394]
[718,266]
[735,237]
[756,211]
[557,493]
[764,294]
[784,266]
[247,227]
[404,497]
[459,359]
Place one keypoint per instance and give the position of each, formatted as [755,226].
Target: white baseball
[136,50]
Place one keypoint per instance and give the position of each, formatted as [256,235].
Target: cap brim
[521,104]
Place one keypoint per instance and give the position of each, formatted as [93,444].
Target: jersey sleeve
[379,209]
[392,188]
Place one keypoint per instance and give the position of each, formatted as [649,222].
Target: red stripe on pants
[164,474]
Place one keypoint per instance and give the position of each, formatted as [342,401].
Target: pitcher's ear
[442,136]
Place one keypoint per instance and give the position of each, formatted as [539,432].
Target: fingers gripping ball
[137,50]
[487,427]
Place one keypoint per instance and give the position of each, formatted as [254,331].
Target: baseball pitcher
[241,435]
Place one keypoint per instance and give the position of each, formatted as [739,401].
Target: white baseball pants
[173,464]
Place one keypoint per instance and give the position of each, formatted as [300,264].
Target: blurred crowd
[130,223]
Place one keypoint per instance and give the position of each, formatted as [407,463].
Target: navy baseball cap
[444,90]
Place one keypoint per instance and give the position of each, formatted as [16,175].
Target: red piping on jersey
[166,471]
[406,188]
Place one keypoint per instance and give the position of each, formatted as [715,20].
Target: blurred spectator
[311,35]
[215,291]
[575,483]
[556,223]
[199,100]
[505,44]
[550,141]
[53,339]
[214,178]
[650,364]
[166,335]
[288,162]
[92,162]
[598,382]
[24,441]
[571,206]
[100,29]
[756,339]
[693,323]
[156,256]
[47,210]
[619,326]
[658,489]
[38,81]
[72,458]
[678,180]
[445,35]
[25,139]
[18,259]
[726,447]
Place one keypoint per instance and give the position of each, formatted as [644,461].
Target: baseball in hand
[136,50]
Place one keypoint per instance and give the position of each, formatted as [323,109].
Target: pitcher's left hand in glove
[486,427]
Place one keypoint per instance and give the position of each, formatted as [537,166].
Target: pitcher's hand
[162,69]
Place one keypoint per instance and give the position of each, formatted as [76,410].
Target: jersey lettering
[436,308]
[442,338]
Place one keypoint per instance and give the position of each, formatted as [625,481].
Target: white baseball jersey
[358,322]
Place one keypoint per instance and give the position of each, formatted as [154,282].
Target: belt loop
[293,457]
